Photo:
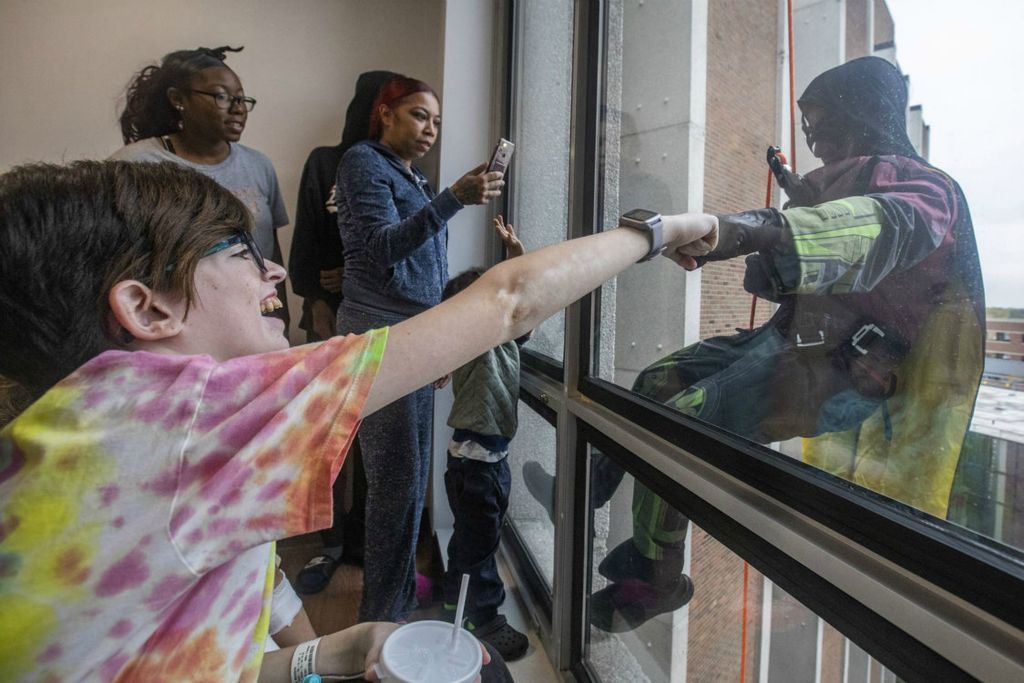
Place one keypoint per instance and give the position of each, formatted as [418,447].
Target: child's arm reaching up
[513,247]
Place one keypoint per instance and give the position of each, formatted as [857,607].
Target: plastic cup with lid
[427,652]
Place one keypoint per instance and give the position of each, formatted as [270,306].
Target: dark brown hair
[461,281]
[68,234]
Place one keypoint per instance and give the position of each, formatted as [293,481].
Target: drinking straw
[459,610]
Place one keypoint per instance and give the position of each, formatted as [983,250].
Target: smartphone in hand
[502,156]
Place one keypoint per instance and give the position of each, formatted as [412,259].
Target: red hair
[393,91]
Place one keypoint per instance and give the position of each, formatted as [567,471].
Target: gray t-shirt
[247,173]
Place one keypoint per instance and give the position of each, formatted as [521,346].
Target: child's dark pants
[478,495]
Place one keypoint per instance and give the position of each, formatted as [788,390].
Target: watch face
[642,215]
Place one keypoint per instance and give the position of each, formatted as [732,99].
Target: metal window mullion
[571,543]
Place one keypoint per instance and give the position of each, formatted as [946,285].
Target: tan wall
[64,65]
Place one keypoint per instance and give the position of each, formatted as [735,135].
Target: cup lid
[423,652]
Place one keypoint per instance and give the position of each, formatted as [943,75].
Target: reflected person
[879,327]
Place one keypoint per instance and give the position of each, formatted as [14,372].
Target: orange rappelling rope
[792,84]
[753,302]
[792,128]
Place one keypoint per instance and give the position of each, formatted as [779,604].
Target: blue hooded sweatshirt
[394,231]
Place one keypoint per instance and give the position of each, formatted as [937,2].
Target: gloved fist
[746,232]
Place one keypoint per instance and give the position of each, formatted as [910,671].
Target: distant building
[1005,339]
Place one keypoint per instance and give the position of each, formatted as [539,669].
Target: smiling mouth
[270,304]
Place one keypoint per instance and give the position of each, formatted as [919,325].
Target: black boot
[625,605]
[625,562]
[641,588]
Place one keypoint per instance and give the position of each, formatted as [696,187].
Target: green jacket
[487,393]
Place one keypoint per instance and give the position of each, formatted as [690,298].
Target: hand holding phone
[502,156]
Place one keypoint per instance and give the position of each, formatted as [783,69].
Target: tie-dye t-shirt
[139,499]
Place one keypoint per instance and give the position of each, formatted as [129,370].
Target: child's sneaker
[510,643]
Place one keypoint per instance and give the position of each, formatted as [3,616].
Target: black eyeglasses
[243,237]
[226,101]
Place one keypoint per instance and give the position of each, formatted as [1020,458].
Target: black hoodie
[316,243]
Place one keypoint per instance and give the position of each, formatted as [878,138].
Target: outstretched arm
[515,296]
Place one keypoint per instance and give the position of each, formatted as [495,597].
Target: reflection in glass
[531,507]
[688,609]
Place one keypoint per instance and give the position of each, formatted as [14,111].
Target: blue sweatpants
[396,446]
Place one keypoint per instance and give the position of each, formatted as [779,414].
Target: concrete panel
[656,65]
[819,43]
[661,157]
[543,114]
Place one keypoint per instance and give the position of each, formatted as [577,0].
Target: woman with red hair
[395,233]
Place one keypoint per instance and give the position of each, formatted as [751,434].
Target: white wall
[819,43]
[468,116]
[64,65]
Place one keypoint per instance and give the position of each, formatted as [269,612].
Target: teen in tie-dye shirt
[148,490]
[141,492]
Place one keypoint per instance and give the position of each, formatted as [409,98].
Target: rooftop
[1000,413]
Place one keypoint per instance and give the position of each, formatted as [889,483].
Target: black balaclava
[865,101]
[357,116]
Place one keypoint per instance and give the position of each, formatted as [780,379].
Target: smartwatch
[647,222]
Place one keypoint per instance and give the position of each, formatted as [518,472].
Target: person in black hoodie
[880,327]
[316,264]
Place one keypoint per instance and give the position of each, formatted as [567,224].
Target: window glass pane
[532,500]
[839,324]
[670,603]
[542,102]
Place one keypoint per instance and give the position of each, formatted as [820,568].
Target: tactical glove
[747,232]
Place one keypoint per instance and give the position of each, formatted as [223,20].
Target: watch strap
[657,235]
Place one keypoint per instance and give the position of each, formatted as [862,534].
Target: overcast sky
[966,66]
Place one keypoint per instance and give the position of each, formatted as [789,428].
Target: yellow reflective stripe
[869,231]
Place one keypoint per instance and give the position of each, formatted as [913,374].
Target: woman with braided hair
[191,109]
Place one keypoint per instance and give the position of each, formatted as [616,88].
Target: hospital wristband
[304,660]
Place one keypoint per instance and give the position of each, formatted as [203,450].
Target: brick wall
[857,39]
[832,653]
[1004,337]
[885,31]
[716,617]
[741,123]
